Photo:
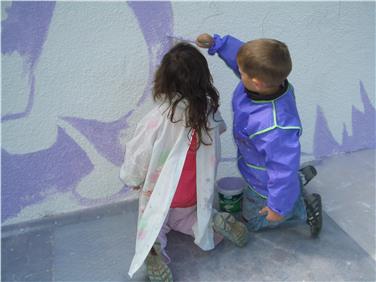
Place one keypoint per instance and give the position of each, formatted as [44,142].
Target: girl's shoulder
[158,109]
[153,116]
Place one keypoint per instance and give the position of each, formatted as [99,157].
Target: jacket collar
[259,97]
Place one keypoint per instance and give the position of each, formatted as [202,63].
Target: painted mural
[62,137]
[68,165]
[363,128]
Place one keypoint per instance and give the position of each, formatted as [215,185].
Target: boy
[266,131]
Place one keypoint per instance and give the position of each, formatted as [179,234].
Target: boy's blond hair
[265,59]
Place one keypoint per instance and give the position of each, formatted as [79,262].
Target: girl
[173,159]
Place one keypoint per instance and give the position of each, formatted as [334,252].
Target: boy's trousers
[254,202]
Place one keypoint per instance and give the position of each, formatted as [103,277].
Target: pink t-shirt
[186,195]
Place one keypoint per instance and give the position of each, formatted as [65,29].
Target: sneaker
[156,268]
[314,213]
[225,224]
[307,173]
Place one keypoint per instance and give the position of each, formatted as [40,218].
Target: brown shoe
[156,268]
[225,224]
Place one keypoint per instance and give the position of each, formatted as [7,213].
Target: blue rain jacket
[267,136]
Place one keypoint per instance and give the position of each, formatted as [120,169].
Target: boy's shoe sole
[314,213]
[225,224]
[308,172]
[156,268]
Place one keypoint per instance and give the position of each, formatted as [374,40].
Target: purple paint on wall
[155,20]
[323,140]
[363,128]
[27,178]
[104,136]
[29,104]
[25,31]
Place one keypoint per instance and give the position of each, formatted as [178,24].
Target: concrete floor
[99,245]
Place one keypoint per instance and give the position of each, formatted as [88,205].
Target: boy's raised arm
[227,48]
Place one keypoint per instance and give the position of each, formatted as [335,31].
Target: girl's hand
[204,40]
[271,215]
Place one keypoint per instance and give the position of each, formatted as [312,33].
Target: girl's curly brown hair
[184,75]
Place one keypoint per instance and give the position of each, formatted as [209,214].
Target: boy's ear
[257,83]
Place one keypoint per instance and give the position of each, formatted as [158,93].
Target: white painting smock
[154,159]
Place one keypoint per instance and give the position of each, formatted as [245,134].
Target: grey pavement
[98,244]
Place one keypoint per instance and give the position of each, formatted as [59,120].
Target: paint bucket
[230,193]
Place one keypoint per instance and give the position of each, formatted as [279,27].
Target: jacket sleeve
[282,154]
[227,48]
[138,152]
[221,122]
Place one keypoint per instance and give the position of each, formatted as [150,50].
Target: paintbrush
[179,38]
